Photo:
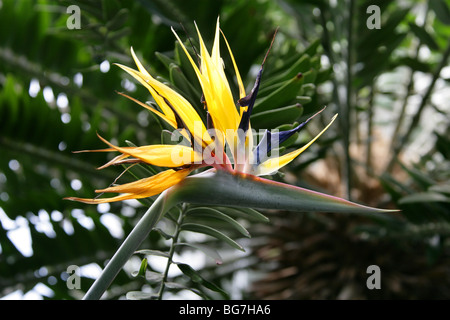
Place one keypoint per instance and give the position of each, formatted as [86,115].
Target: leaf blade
[238,190]
[211,212]
[194,227]
[196,277]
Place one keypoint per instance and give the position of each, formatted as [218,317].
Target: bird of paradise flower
[226,126]
[234,179]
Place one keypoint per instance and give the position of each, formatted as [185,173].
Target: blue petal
[262,150]
[249,100]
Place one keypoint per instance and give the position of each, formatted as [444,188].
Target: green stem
[401,117]
[130,245]
[345,119]
[369,166]
[172,251]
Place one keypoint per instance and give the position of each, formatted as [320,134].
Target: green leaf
[424,36]
[247,213]
[166,137]
[118,34]
[313,47]
[173,138]
[424,197]
[166,61]
[303,99]
[163,234]
[308,89]
[179,286]
[441,10]
[190,272]
[180,81]
[201,212]
[225,189]
[445,188]
[149,252]
[280,97]
[196,277]
[309,77]
[194,227]
[301,65]
[419,177]
[110,7]
[413,63]
[139,295]
[184,63]
[273,118]
[142,269]
[119,19]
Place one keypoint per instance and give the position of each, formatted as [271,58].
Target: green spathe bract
[225,189]
[240,190]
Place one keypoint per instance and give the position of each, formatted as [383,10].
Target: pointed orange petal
[139,189]
[160,155]
[114,161]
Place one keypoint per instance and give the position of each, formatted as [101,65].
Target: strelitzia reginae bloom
[228,125]
[234,178]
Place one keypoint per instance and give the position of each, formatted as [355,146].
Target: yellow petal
[236,70]
[215,88]
[215,52]
[218,96]
[169,119]
[273,164]
[143,79]
[139,64]
[161,155]
[171,102]
[167,110]
[143,188]
[151,185]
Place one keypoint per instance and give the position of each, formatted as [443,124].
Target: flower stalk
[172,251]
[156,211]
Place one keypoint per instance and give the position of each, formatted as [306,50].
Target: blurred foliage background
[390,148]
